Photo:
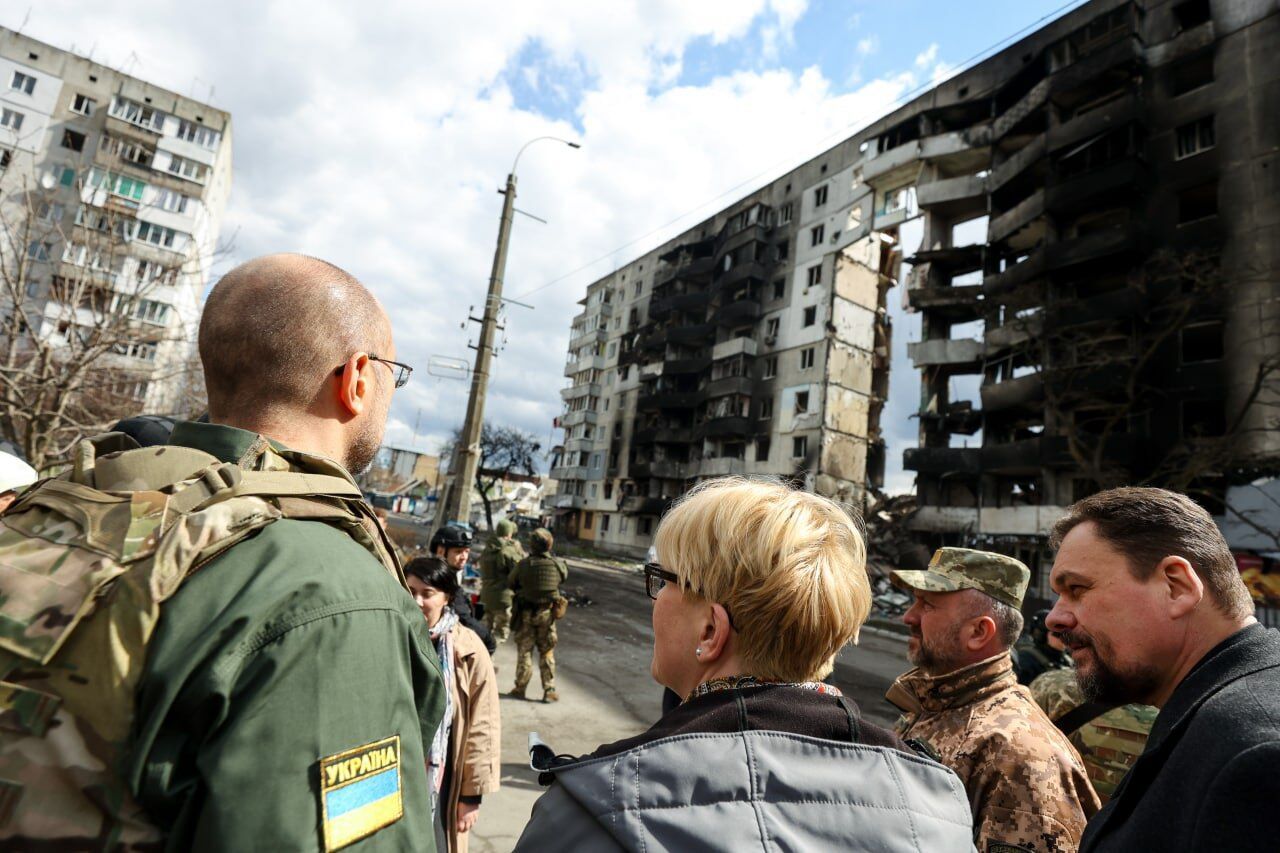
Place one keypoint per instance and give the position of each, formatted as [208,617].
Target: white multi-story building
[96,146]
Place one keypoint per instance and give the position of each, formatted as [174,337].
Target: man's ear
[980,631]
[1183,584]
[352,386]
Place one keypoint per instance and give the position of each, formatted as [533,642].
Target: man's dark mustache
[1073,638]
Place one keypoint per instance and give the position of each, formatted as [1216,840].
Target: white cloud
[928,57]
[378,140]
[868,45]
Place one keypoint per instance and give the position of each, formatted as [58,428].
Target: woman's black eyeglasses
[399,369]
[656,577]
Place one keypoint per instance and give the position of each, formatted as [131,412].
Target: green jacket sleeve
[323,687]
[281,655]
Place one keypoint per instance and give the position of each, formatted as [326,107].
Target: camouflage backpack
[87,560]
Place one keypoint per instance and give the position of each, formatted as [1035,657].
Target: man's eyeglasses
[399,369]
[656,577]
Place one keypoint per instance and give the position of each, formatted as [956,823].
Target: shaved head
[273,330]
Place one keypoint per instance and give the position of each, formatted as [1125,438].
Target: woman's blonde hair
[790,567]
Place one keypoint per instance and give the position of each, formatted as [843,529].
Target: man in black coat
[1153,610]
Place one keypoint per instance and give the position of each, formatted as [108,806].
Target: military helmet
[1039,629]
[451,536]
[505,528]
[541,540]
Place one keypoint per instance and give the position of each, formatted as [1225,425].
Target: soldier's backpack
[87,561]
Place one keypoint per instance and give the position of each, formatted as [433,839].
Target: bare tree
[87,322]
[504,451]
[1105,380]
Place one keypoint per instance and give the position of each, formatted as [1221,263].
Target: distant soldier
[1038,651]
[535,582]
[1109,739]
[453,545]
[1027,785]
[499,559]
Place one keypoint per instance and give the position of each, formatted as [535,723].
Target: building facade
[1118,312]
[122,182]
[754,343]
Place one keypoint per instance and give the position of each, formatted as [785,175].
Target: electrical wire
[842,133]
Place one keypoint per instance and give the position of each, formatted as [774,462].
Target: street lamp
[466,454]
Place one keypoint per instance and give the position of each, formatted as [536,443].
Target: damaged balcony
[667,400]
[1013,393]
[1025,216]
[942,460]
[959,417]
[640,505]
[589,389]
[946,352]
[729,385]
[734,346]
[954,198]
[728,426]
[738,312]
[663,435]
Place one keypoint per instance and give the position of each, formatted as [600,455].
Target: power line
[842,132]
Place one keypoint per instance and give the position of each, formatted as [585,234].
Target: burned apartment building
[1122,308]
[755,343]
[1112,321]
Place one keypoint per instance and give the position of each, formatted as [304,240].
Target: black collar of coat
[1248,650]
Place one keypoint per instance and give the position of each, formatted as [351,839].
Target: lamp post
[466,454]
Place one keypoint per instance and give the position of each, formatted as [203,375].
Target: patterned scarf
[737,682]
[442,636]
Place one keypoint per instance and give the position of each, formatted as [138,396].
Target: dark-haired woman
[463,761]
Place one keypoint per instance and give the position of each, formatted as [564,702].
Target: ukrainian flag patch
[360,792]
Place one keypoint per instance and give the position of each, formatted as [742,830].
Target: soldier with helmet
[453,545]
[1038,651]
[499,559]
[537,603]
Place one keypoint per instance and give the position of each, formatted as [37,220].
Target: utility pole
[466,454]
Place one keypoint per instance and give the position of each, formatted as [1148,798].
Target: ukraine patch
[360,792]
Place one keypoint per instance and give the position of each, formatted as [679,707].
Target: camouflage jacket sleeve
[1028,797]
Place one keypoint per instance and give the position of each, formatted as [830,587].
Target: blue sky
[375,135]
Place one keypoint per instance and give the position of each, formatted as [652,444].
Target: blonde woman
[755,589]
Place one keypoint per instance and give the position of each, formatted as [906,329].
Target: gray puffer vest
[752,790]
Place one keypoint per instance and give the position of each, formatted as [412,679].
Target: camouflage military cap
[953,569]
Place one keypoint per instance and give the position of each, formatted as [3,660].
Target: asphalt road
[606,692]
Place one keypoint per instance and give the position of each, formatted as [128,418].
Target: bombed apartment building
[1118,324]
[755,343]
[1114,320]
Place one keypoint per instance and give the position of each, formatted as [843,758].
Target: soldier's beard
[1102,678]
[935,658]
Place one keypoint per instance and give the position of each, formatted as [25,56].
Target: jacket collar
[1246,651]
[915,691]
[252,451]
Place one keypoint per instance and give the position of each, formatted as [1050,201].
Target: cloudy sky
[376,134]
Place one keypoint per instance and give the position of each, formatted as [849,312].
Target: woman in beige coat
[464,761]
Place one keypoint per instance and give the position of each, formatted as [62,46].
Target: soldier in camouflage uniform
[499,559]
[1027,785]
[535,582]
[1109,742]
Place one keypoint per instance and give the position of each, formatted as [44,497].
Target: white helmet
[14,473]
